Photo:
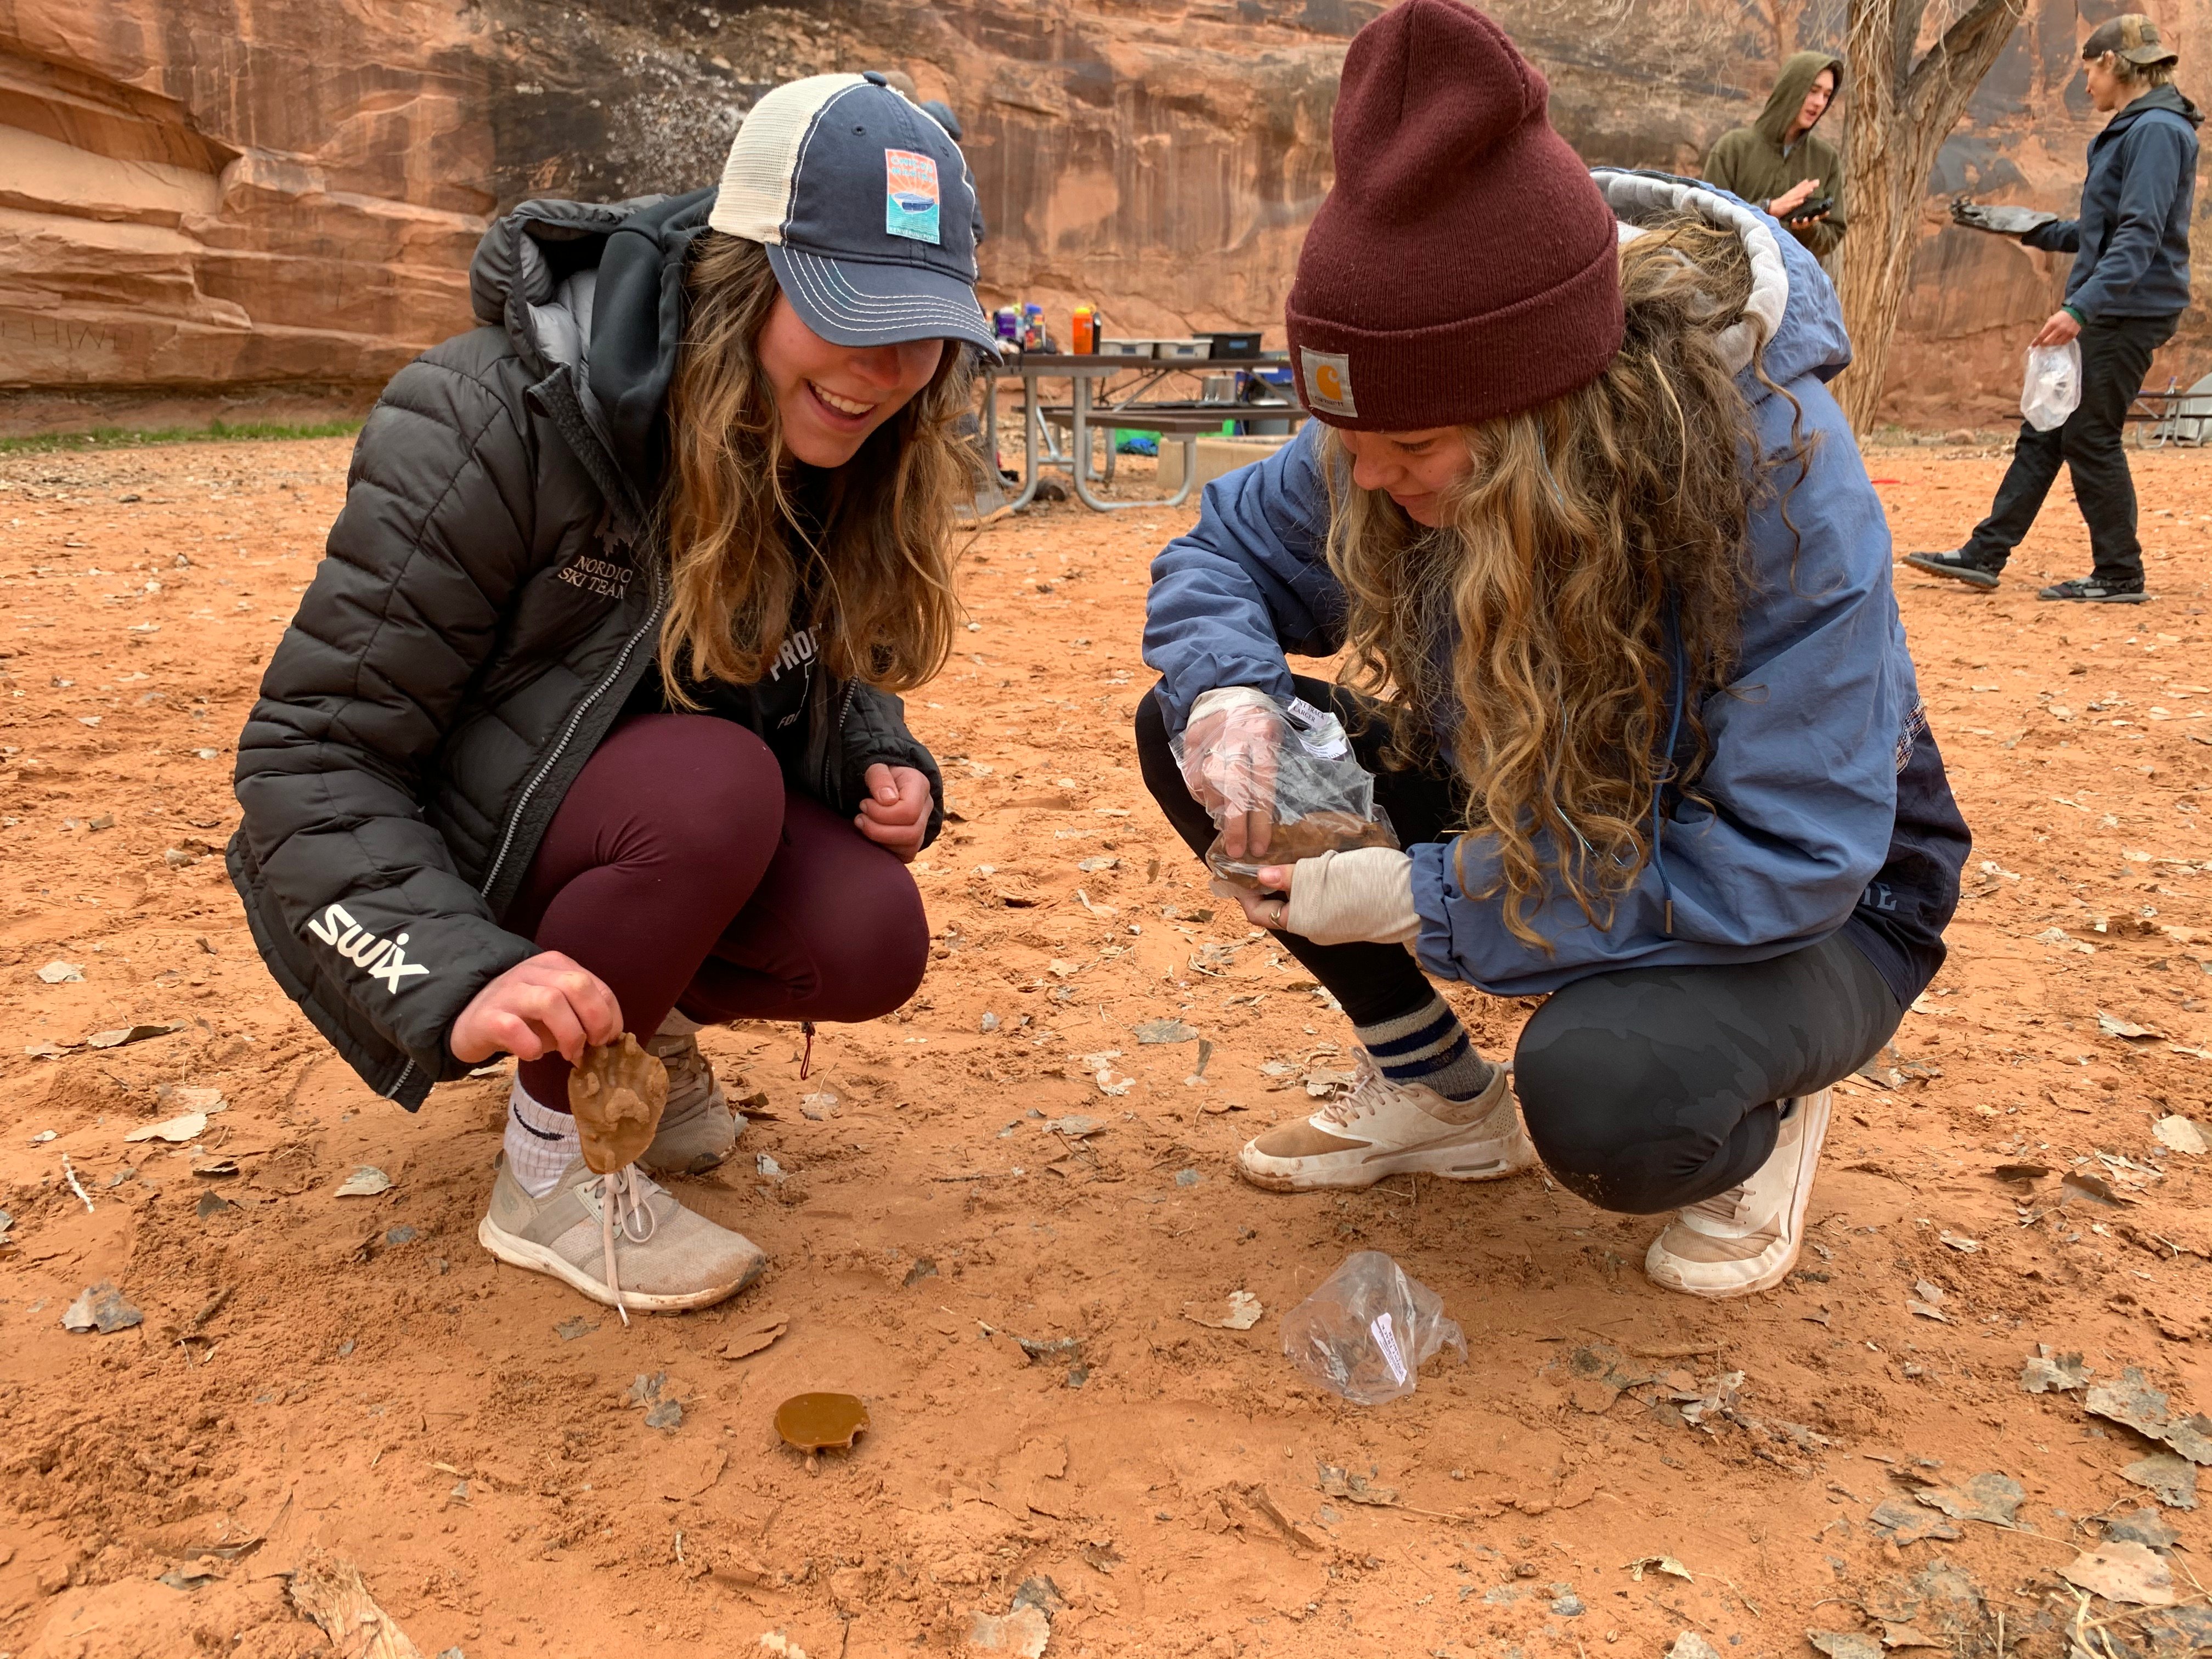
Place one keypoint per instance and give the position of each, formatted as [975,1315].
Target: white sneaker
[1385,1128]
[620,1239]
[1747,1238]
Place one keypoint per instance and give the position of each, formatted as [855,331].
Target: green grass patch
[119,437]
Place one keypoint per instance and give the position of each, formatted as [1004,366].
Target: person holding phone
[1778,164]
[588,721]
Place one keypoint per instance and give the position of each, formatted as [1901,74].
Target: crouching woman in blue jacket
[1623,657]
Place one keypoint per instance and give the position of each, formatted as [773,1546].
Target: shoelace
[624,1193]
[1345,1107]
[1716,1216]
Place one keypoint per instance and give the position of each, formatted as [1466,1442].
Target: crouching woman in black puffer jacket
[586,722]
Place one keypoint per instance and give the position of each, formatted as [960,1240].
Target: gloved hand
[1999,221]
[1229,764]
[1338,898]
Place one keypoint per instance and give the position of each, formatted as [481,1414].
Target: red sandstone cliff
[230,206]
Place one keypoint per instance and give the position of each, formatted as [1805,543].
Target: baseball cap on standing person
[2132,38]
[865,207]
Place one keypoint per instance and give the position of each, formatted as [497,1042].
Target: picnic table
[1134,406]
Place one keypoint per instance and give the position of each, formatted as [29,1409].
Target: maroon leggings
[678,871]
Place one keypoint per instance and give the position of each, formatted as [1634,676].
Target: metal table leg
[1080,404]
[1030,470]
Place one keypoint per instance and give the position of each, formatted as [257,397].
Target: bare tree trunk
[1901,112]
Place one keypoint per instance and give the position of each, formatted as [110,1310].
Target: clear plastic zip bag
[1290,761]
[1368,1328]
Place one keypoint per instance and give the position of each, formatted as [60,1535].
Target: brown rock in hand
[617,1095]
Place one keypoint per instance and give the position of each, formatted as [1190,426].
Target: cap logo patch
[910,195]
[1327,376]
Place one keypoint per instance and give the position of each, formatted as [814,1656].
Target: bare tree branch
[1901,112]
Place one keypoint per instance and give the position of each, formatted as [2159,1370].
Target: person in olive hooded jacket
[1777,164]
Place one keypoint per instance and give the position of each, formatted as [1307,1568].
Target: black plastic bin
[1236,344]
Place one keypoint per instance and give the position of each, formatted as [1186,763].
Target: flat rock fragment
[2132,1401]
[2122,1571]
[2170,1480]
[100,1308]
[1902,1523]
[1992,1497]
[2045,1370]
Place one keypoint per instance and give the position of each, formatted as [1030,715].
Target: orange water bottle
[1086,331]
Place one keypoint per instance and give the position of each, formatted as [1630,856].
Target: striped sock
[1430,1047]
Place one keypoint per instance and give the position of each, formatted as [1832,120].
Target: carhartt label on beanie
[1326,378]
[1464,265]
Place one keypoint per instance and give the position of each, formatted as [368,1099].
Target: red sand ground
[355,1373]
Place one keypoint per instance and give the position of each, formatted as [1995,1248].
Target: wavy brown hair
[1588,531]
[868,555]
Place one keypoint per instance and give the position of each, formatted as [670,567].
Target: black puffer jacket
[491,597]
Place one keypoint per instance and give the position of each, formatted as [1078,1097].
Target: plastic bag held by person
[1279,780]
[2054,385]
[1367,1329]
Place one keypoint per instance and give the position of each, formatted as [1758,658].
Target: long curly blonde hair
[877,535]
[1589,533]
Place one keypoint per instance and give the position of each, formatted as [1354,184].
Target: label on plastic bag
[1386,1340]
[1321,735]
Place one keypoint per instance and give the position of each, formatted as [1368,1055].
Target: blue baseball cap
[866,208]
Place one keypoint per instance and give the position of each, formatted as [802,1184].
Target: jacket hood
[2168,98]
[1793,321]
[1799,70]
[597,286]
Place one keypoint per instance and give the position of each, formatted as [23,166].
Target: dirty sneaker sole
[1488,1158]
[1958,573]
[522,1253]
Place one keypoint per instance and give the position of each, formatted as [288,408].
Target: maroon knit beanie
[1465,264]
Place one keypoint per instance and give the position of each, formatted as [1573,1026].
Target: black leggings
[1643,1090]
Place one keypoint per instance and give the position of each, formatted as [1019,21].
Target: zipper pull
[806,1060]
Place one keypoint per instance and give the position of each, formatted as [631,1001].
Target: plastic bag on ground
[2053,389]
[1368,1329]
[1292,760]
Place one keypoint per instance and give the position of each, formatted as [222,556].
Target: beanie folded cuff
[1470,369]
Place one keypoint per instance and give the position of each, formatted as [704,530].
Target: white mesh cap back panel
[756,196]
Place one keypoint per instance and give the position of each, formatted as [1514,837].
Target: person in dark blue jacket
[2128,289]
[1623,658]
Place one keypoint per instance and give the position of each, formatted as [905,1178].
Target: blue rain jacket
[1829,807]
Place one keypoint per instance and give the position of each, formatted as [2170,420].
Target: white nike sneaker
[1747,1238]
[1385,1128]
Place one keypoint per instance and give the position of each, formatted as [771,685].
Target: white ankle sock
[540,1144]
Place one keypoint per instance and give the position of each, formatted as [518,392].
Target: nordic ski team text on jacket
[2130,244]
[1830,805]
[490,600]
